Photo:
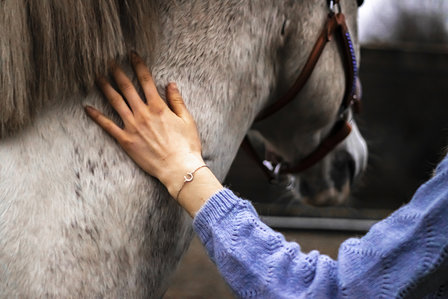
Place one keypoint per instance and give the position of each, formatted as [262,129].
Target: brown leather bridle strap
[335,24]
[338,133]
[308,68]
[334,21]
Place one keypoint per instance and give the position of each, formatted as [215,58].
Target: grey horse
[77,217]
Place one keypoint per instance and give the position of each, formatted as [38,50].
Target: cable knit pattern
[403,256]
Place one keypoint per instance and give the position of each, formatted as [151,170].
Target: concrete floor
[197,277]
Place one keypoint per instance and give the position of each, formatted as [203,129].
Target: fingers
[146,82]
[175,100]
[105,123]
[127,88]
[115,99]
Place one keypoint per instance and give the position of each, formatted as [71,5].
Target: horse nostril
[351,165]
[343,170]
[305,189]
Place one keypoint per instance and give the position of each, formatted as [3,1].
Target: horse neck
[223,59]
[231,58]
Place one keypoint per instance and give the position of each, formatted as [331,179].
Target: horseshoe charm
[188,177]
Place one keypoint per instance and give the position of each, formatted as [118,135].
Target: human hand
[164,142]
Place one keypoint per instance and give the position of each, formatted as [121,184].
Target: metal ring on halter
[334,4]
[273,169]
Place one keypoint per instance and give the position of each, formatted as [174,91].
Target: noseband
[335,28]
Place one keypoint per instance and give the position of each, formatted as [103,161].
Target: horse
[77,216]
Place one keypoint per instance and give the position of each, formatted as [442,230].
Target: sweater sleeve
[404,255]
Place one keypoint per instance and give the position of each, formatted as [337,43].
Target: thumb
[175,100]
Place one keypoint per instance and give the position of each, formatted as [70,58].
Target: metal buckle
[334,5]
[285,181]
[274,170]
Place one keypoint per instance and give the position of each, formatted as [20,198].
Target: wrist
[195,193]
[173,173]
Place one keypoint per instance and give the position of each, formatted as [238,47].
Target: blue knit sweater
[403,256]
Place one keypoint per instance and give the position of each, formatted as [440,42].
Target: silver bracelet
[188,178]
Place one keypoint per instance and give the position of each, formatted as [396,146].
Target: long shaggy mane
[52,48]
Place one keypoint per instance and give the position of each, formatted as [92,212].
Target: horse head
[303,128]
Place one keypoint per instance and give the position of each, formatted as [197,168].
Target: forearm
[411,245]
[404,253]
[256,261]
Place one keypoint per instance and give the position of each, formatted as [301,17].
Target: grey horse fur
[77,217]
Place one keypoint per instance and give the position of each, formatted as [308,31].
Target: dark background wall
[405,120]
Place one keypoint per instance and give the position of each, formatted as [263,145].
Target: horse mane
[52,48]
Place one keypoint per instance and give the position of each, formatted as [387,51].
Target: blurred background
[404,72]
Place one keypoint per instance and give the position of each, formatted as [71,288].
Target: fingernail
[134,55]
[88,108]
[112,65]
[173,86]
[100,80]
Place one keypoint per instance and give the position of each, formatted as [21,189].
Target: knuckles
[177,99]
[115,99]
[141,122]
[126,142]
[145,78]
[157,110]
[126,86]
[107,125]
